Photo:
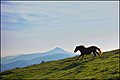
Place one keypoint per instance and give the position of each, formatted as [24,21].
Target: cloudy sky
[30,27]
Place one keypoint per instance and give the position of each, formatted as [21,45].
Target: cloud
[57,9]
[29,14]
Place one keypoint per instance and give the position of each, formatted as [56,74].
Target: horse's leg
[79,57]
[82,57]
[94,55]
[98,54]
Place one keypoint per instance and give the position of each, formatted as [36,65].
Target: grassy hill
[106,67]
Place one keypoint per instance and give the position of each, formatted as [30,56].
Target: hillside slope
[106,67]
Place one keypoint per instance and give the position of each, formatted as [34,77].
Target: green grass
[106,67]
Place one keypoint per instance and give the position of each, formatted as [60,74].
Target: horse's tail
[99,51]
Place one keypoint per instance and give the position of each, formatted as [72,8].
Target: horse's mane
[81,46]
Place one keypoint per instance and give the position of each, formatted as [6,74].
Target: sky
[38,26]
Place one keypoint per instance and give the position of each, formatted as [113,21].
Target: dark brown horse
[89,50]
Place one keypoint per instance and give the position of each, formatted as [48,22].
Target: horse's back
[93,48]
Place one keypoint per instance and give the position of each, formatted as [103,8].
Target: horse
[88,50]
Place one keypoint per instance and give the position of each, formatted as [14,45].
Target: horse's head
[78,48]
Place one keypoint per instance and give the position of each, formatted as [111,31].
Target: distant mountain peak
[56,49]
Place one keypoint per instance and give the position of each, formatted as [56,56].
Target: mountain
[56,50]
[36,58]
[48,58]
[106,67]
[16,64]
[7,58]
